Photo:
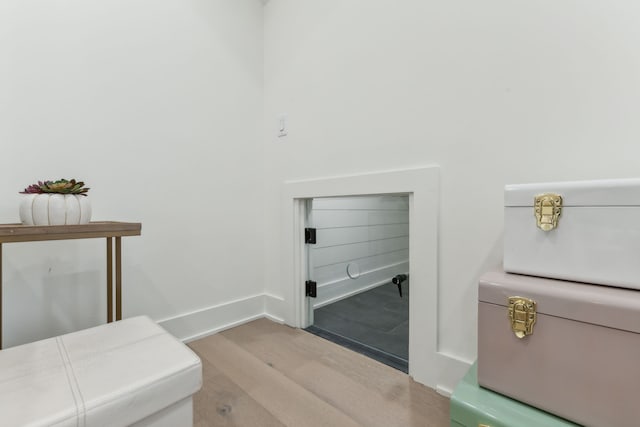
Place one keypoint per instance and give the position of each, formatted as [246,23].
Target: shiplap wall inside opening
[369,232]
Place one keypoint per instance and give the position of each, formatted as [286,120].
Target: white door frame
[423,187]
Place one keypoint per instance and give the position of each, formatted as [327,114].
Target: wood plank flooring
[266,374]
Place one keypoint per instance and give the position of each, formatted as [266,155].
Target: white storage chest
[585,231]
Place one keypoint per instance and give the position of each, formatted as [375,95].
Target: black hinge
[311,288]
[310,236]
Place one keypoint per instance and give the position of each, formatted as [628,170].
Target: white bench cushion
[34,387]
[111,375]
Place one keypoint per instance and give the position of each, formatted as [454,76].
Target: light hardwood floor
[266,374]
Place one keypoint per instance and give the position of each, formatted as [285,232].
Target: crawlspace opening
[360,267]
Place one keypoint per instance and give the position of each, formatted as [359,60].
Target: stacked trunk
[561,329]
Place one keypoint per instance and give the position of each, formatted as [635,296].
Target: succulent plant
[61,186]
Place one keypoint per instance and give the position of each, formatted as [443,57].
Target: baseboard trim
[342,288]
[274,308]
[224,327]
[210,320]
[274,319]
[350,293]
[451,370]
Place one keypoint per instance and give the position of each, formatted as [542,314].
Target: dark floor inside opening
[374,323]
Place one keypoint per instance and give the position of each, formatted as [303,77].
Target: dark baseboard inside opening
[372,352]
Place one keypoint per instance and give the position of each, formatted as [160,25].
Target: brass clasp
[547,209]
[522,315]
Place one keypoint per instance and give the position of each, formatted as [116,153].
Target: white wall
[156,105]
[495,92]
[369,235]
[149,101]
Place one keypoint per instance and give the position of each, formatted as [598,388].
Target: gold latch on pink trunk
[522,315]
[547,209]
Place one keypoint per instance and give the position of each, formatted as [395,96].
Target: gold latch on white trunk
[547,208]
[522,315]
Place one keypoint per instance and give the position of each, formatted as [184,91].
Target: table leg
[109,279]
[118,278]
[0,296]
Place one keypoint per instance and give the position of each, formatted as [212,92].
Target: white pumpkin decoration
[55,209]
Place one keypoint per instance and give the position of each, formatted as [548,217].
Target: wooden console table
[12,233]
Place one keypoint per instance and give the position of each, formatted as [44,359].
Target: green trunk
[472,405]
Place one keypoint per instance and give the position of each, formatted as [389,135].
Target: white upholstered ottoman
[130,372]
